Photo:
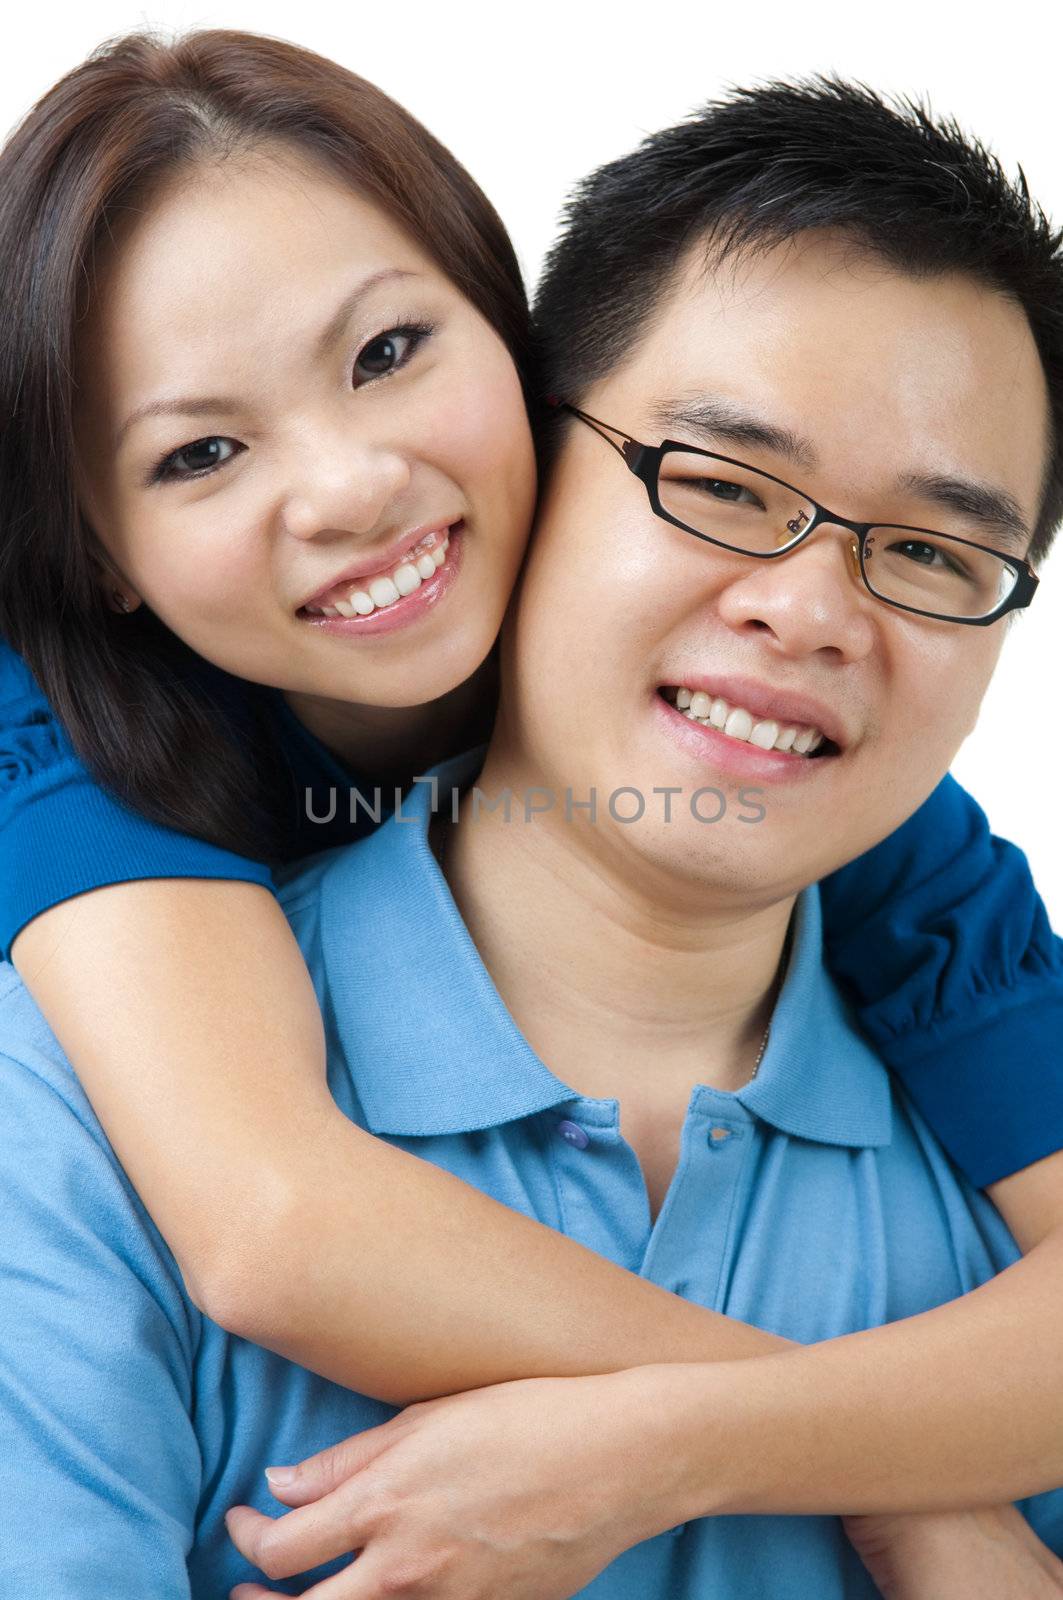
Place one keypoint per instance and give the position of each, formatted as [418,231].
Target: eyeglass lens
[748,511]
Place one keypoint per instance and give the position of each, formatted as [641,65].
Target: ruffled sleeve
[61,834]
[944,945]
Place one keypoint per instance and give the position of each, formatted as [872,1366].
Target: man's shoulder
[25,1037]
[300,884]
[349,874]
[39,1090]
[57,1166]
[386,854]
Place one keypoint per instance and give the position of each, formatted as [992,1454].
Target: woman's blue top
[938,933]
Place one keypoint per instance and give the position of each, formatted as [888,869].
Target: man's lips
[737,759]
[381,564]
[769,702]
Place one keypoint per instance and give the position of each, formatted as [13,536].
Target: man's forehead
[705,372]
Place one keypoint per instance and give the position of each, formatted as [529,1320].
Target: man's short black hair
[765,163]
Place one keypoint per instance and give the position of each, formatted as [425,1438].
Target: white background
[532,97]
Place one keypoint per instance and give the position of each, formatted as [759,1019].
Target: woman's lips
[408,609]
[361,575]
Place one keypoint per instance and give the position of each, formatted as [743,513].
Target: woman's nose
[812,599]
[345,487]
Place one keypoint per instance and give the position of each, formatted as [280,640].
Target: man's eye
[928,555]
[722,490]
[196,460]
[916,550]
[733,493]
[388,352]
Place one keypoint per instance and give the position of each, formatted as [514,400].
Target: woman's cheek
[484,437]
[208,572]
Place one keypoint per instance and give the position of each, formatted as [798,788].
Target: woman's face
[300,445]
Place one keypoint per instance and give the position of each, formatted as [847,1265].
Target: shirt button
[573,1134]
[718,1135]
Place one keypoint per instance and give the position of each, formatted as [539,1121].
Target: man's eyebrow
[215,405]
[997,510]
[717,421]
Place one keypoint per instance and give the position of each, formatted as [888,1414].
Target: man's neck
[618,987]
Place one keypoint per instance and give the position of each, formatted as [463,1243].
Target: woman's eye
[388,352]
[196,460]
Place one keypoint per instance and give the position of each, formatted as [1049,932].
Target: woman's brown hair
[140,710]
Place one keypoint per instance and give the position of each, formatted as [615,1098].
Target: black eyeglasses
[936,575]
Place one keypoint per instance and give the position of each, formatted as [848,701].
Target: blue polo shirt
[812,1202]
[963,999]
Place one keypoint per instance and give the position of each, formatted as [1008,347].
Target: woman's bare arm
[190,1016]
[188,1012]
[961,1406]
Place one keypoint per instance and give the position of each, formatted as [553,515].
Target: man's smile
[759,714]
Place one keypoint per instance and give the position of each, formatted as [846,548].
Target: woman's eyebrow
[216,405]
[350,305]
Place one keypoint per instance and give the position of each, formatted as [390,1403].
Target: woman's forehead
[234,268]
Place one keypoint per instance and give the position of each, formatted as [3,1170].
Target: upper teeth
[418,565]
[741,724]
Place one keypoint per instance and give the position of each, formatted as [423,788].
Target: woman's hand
[526,1489]
[986,1554]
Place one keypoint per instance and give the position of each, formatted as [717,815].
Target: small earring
[120,602]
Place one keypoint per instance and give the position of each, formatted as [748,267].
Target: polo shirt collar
[818,1078]
[430,1045]
[432,1049]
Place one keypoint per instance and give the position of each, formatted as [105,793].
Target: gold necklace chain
[760,1053]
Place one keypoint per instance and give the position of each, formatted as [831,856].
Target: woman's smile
[366,606]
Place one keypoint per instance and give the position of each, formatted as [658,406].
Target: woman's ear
[119,596]
[119,599]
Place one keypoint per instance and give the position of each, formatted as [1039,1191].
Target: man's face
[883,378]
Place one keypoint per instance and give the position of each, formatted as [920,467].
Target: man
[638,1043]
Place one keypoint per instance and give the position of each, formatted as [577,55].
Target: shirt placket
[692,1240]
[605,1204]
[603,1200]
[601,1194]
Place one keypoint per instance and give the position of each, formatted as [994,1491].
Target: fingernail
[280,1477]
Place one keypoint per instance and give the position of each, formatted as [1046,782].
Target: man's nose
[343,486]
[812,599]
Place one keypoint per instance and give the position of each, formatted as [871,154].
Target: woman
[336,476]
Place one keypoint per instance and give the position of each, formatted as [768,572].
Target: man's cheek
[907,778]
